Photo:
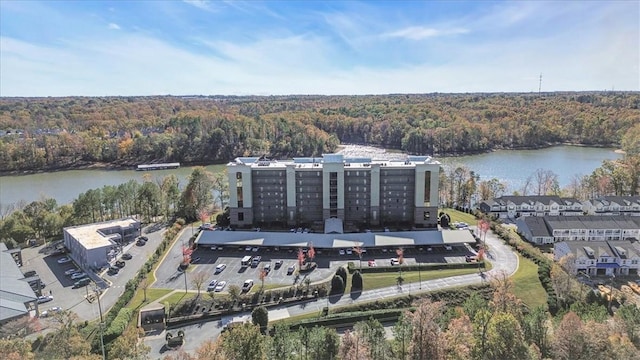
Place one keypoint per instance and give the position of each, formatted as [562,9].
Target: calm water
[514,166]
[511,166]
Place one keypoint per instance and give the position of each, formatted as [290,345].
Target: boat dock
[146,167]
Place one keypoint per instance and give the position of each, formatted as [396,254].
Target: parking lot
[59,285]
[205,260]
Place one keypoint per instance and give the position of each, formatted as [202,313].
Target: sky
[199,47]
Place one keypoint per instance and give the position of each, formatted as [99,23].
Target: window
[426,215]
[240,216]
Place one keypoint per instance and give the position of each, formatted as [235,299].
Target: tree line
[150,201]
[53,133]
[461,186]
[499,327]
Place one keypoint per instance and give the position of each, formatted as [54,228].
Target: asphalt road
[503,259]
[61,286]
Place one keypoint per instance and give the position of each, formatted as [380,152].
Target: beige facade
[360,191]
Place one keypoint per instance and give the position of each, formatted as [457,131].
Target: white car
[64,260]
[349,252]
[341,252]
[220,268]
[220,286]
[51,311]
[395,261]
[212,285]
[248,284]
[248,248]
[255,249]
[78,275]
[44,299]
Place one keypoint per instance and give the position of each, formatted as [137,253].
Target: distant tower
[540,84]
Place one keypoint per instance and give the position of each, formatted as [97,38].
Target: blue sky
[96,48]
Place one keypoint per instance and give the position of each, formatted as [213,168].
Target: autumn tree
[16,349]
[426,341]
[459,339]
[536,330]
[402,335]
[244,342]
[128,346]
[197,195]
[353,347]
[211,349]
[372,332]
[569,341]
[505,339]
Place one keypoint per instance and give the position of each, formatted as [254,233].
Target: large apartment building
[358,191]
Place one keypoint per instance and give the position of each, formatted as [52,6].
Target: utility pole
[540,84]
[101,324]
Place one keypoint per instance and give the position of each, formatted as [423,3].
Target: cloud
[421,33]
[113,26]
[201,4]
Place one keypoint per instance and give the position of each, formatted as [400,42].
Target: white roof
[90,235]
[326,241]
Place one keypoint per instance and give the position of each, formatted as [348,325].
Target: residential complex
[512,207]
[600,257]
[551,229]
[93,246]
[360,192]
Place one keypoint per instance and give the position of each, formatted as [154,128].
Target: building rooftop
[593,222]
[369,239]
[353,162]
[91,236]
[14,292]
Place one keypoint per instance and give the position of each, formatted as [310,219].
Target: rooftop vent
[589,251]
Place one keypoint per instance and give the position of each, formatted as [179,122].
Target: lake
[510,166]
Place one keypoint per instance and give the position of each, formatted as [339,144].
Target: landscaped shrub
[118,325]
[356,281]
[337,284]
[342,272]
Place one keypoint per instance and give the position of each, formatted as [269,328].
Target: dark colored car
[113,270]
[81,283]
[30,273]
[127,256]
[141,242]
[120,263]
[278,264]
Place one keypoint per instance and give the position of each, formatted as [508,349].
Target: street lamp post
[420,274]
[101,324]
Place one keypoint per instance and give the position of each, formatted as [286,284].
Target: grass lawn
[379,280]
[178,297]
[527,286]
[152,294]
[459,216]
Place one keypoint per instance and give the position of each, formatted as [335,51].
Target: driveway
[502,257]
[61,286]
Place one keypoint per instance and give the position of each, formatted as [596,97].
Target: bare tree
[546,181]
[144,285]
[198,280]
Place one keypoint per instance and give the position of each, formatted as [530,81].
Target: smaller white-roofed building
[94,245]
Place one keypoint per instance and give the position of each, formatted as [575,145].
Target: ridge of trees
[53,133]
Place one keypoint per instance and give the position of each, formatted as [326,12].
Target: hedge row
[422,267]
[118,325]
[350,318]
[132,285]
[534,254]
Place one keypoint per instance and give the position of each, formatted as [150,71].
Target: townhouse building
[552,229]
[599,258]
[512,207]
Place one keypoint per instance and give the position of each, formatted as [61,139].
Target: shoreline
[347,149]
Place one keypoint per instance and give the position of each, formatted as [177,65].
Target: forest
[59,133]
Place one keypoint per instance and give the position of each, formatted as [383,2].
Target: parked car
[248,284]
[120,263]
[349,252]
[82,282]
[30,273]
[278,264]
[220,268]
[341,252]
[64,260]
[78,275]
[220,286]
[71,271]
[113,270]
[141,242]
[372,263]
[51,311]
[143,238]
[291,269]
[248,248]
[255,249]
[267,268]
[44,299]
[256,260]
[212,285]
[395,261]
[127,256]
